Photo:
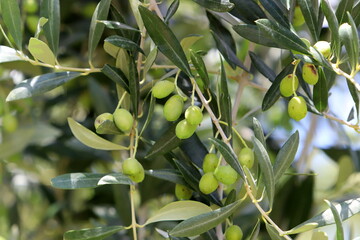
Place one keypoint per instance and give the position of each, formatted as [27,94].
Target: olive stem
[347,76]
[133,216]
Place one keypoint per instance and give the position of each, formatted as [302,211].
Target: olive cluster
[173,109]
[297,108]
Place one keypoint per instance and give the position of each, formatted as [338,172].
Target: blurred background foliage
[42,146]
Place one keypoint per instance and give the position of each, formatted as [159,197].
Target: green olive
[210,162]
[162,89]
[102,118]
[288,85]
[310,73]
[226,174]
[10,123]
[323,47]
[123,120]
[246,157]
[233,232]
[298,18]
[182,192]
[184,129]
[173,108]
[133,169]
[193,115]
[297,108]
[208,183]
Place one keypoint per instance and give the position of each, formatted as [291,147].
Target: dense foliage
[191,119]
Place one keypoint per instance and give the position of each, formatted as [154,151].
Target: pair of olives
[122,119]
[173,109]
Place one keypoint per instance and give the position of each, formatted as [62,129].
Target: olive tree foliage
[132,52]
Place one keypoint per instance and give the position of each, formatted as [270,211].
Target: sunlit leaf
[98,233]
[88,180]
[90,139]
[150,60]
[164,39]
[50,9]
[338,222]
[346,209]
[8,54]
[202,223]
[286,155]
[266,169]
[179,210]
[333,26]
[347,38]
[200,67]
[96,28]
[40,84]
[258,131]
[41,51]
[10,12]
[187,42]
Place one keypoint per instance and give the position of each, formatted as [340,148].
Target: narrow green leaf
[41,51]
[134,86]
[355,13]
[90,139]
[344,7]
[170,175]
[254,34]
[96,28]
[308,11]
[231,197]
[345,210]
[355,42]
[276,12]
[283,36]
[319,58]
[108,127]
[124,43]
[286,155]
[273,94]
[247,11]
[320,92]
[274,235]
[225,102]
[179,210]
[8,54]
[116,75]
[200,67]
[150,59]
[11,16]
[88,180]
[224,42]
[259,64]
[195,149]
[172,10]
[40,84]
[167,142]
[98,233]
[338,222]
[164,39]
[347,38]
[354,94]
[204,222]
[333,26]
[251,180]
[266,170]
[50,9]
[187,42]
[258,131]
[135,4]
[117,25]
[216,5]
[228,155]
